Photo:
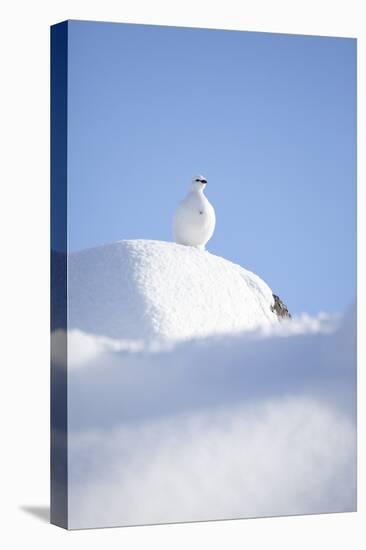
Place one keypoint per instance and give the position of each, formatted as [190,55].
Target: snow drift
[189,400]
[253,424]
[142,289]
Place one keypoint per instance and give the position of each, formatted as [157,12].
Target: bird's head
[199,183]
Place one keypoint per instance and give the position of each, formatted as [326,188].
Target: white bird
[194,219]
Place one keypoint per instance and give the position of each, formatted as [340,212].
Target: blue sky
[269,119]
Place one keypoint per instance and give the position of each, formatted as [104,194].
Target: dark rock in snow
[280,308]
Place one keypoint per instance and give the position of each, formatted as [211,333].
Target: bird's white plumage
[194,219]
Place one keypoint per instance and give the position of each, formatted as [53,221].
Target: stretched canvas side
[59,488]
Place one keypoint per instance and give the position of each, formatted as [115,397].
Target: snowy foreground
[250,418]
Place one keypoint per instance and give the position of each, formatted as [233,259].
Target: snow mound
[142,289]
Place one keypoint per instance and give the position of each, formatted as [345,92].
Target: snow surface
[251,424]
[188,400]
[141,289]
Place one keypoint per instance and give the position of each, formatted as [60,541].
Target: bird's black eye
[197,179]
[204,181]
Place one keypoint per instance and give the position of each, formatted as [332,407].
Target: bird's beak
[204,182]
